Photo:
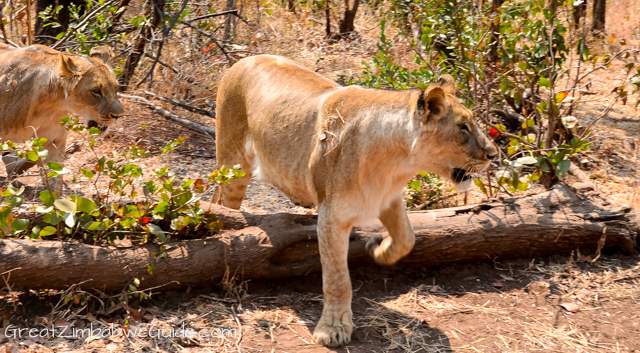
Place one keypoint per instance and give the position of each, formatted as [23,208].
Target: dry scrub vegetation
[557,304]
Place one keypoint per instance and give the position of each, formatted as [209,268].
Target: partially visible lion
[39,85]
[348,150]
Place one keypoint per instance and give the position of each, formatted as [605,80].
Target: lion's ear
[102,53]
[447,83]
[67,66]
[435,104]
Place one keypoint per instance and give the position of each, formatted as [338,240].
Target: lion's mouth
[93,123]
[460,175]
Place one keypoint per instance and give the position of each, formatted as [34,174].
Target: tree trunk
[494,29]
[279,245]
[579,12]
[599,10]
[144,37]
[327,13]
[230,22]
[291,6]
[346,25]
[46,35]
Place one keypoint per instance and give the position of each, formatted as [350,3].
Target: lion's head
[460,147]
[91,88]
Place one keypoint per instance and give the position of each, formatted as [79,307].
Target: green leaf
[544,82]
[87,173]
[85,205]
[55,166]
[53,218]
[182,198]
[47,197]
[480,184]
[563,167]
[19,224]
[32,156]
[94,226]
[128,222]
[48,230]
[66,206]
[13,191]
[157,231]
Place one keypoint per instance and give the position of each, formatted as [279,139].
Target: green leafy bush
[168,206]
[518,66]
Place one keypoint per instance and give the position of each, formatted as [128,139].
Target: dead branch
[209,113]
[213,39]
[165,34]
[211,132]
[211,15]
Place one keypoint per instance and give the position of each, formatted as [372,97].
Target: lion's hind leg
[388,250]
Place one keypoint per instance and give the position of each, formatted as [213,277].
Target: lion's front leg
[388,250]
[336,324]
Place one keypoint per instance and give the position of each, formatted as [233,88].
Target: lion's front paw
[378,248]
[334,330]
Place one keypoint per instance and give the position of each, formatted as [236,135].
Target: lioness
[348,150]
[39,85]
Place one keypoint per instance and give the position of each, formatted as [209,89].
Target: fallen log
[278,245]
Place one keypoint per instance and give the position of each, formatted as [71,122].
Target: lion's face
[463,148]
[94,96]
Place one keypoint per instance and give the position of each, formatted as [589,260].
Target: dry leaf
[507,278]
[613,37]
[570,307]
[497,284]
[470,278]
[136,316]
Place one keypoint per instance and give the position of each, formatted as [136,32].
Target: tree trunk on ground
[230,22]
[279,245]
[599,11]
[347,25]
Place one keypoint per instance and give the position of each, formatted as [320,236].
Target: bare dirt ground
[556,304]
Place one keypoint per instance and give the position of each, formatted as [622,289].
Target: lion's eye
[464,127]
[97,92]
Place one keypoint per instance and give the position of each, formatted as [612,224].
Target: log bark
[279,245]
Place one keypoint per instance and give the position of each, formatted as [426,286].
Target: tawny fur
[347,150]
[39,85]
